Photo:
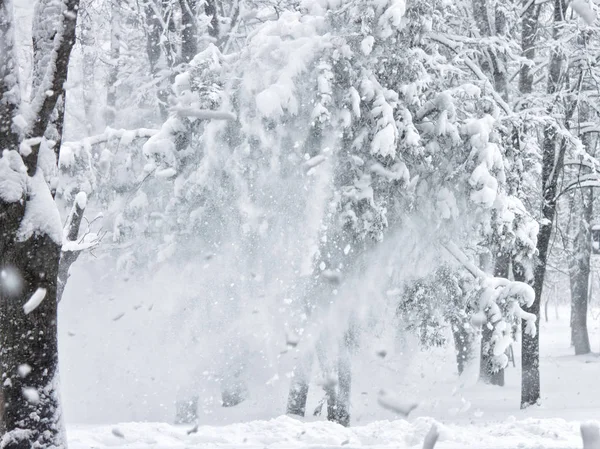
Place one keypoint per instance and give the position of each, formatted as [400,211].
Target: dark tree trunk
[29,355]
[552,163]
[29,264]
[492,63]
[297,397]
[189,33]
[331,395]
[210,9]
[530,345]
[529,23]
[47,14]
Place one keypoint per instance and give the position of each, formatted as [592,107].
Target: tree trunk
[297,397]
[29,356]
[46,15]
[579,267]
[233,389]
[530,345]
[579,276]
[186,411]
[552,162]
[30,252]
[492,63]
[154,50]
[331,395]
[488,372]
[529,23]
[113,72]
[342,406]
[463,343]
[189,32]
[210,9]
[298,393]
[88,71]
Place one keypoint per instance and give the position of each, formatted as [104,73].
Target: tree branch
[54,80]
[474,68]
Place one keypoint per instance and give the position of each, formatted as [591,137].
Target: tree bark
[189,32]
[579,275]
[29,355]
[210,9]
[31,413]
[113,72]
[46,15]
[529,23]
[553,151]
[154,50]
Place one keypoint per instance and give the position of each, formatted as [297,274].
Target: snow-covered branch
[474,68]
[73,246]
[592,181]
[125,135]
[204,114]
[464,260]
[51,87]
[500,298]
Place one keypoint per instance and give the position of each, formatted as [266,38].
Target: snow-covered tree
[31,235]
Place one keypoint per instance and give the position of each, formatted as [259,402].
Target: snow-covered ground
[285,432]
[468,415]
